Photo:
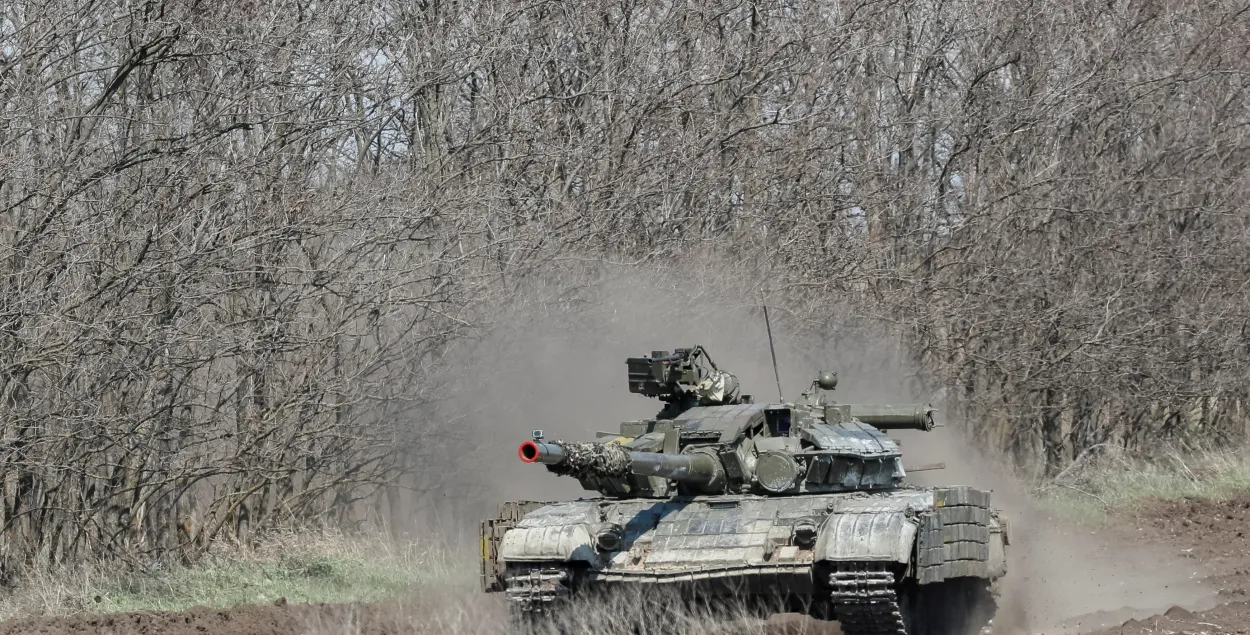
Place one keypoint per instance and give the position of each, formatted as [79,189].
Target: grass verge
[302,568]
[1103,484]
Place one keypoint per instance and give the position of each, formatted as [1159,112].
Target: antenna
[773,352]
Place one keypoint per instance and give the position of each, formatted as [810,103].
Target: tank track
[865,600]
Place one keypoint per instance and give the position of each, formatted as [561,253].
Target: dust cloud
[1061,578]
[562,369]
[559,366]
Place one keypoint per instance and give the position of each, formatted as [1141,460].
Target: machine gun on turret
[683,379]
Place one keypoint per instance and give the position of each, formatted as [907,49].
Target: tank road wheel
[960,606]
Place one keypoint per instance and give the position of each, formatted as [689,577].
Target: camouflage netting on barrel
[592,459]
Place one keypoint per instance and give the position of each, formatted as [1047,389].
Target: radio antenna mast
[772,351]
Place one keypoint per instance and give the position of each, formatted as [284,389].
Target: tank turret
[710,439]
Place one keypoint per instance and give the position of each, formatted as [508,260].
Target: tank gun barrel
[699,468]
[909,417]
[539,452]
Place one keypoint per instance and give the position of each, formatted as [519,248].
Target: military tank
[801,506]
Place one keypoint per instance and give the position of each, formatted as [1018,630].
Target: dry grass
[1105,481]
[629,613]
[303,568]
[378,587]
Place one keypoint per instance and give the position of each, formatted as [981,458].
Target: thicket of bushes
[238,239]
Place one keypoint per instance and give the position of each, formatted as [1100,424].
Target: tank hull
[828,548]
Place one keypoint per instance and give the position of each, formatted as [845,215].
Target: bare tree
[238,239]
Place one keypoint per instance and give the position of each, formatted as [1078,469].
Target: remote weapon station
[799,505]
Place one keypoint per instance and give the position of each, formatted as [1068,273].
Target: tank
[794,506]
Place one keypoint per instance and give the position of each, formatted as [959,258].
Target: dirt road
[1214,536]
